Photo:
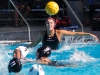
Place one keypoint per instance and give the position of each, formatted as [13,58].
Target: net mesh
[35,20]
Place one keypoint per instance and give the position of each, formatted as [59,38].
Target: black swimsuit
[56,63]
[61,64]
[50,41]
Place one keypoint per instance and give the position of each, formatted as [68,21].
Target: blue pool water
[85,57]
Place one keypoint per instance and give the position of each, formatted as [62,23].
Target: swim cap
[36,70]
[44,51]
[14,65]
[24,50]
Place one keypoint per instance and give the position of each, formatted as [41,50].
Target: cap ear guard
[36,70]
[44,51]
[14,65]
[24,51]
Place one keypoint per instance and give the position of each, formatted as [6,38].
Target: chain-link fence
[19,24]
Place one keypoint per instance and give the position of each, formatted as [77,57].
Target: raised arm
[70,33]
[35,42]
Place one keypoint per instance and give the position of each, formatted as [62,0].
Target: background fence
[37,15]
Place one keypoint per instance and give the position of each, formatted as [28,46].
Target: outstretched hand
[96,38]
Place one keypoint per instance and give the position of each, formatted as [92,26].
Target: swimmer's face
[50,24]
[17,54]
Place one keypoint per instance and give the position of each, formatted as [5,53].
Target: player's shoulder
[60,31]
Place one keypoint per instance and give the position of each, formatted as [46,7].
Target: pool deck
[34,31]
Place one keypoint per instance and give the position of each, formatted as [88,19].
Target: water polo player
[15,64]
[52,37]
[44,52]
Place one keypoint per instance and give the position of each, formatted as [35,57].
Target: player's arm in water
[42,58]
[54,63]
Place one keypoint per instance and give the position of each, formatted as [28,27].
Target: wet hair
[51,19]
[44,51]
[14,65]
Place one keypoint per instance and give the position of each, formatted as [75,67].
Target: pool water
[85,57]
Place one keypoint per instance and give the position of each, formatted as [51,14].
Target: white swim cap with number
[36,70]
[24,50]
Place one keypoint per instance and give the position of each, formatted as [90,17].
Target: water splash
[81,56]
[76,41]
[3,60]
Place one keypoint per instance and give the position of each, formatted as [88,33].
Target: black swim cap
[14,65]
[44,51]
